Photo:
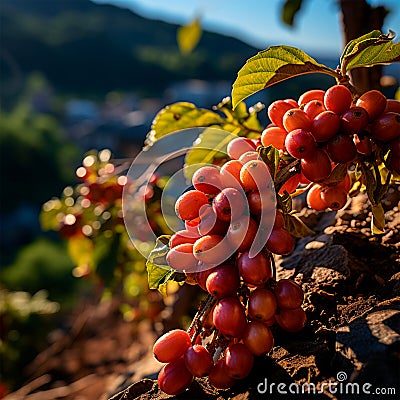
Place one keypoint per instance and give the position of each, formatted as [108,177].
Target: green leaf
[211,143]
[270,155]
[296,226]
[179,116]
[370,183]
[271,66]
[371,49]
[289,11]
[188,36]
[284,202]
[378,220]
[158,270]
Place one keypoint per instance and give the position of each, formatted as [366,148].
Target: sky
[257,22]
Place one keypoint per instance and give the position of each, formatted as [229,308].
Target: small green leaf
[211,143]
[179,116]
[289,11]
[378,220]
[80,249]
[188,36]
[370,182]
[270,155]
[271,66]
[296,226]
[369,50]
[284,202]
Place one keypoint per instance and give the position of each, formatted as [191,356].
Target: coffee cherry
[395,147]
[230,174]
[354,120]
[394,164]
[181,257]
[202,275]
[386,127]
[341,149]
[314,198]
[274,136]
[171,346]
[280,242]
[261,202]
[374,102]
[291,320]
[238,361]
[300,143]
[174,378]
[296,119]
[183,237]
[363,145]
[198,360]
[338,99]
[276,111]
[256,270]
[258,338]
[279,220]
[291,184]
[255,175]
[262,304]
[325,125]
[334,197]
[292,102]
[392,106]
[317,167]
[229,317]
[288,294]
[241,233]
[209,224]
[207,179]
[249,156]
[229,204]
[223,281]
[311,95]
[238,146]
[211,249]
[188,205]
[313,108]
[218,376]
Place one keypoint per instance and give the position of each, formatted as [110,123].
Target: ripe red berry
[188,205]
[209,224]
[274,136]
[280,242]
[212,249]
[256,270]
[310,95]
[276,111]
[313,108]
[314,199]
[334,197]
[395,147]
[171,346]
[363,145]
[338,99]
[291,184]
[288,294]
[230,174]
[229,317]
[386,127]
[262,304]
[255,175]
[249,156]
[291,320]
[325,125]
[296,119]
[374,102]
[181,257]
[207,179]
[354,120]
[174,378]
[218,376]
[223,281]
[182,237]
[238,361]
[241,233]
[341,149]
[300,143]
[229,204]
[317,167]
[261,202]
[392,106]
[198,360]
[258,338]
[238,146]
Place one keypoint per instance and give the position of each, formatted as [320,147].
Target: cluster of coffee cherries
[232,228]
[326,128]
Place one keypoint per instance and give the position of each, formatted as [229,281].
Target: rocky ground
[352,285]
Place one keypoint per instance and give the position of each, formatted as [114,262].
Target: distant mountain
[88,48]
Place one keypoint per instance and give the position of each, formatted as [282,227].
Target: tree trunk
[359,18]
